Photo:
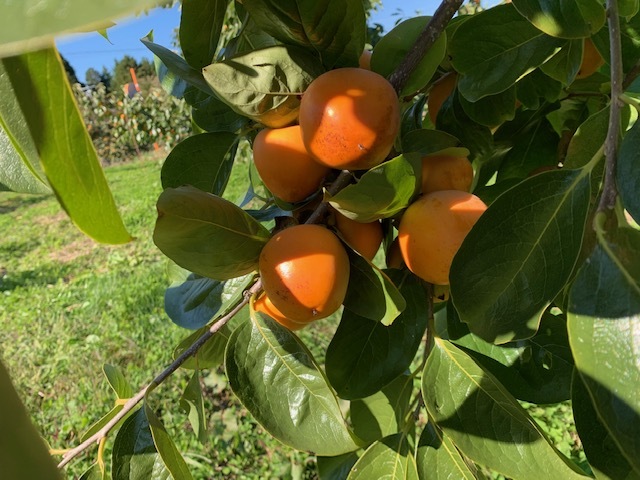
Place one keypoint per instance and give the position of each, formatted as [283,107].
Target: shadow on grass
[20,201]
[49,274]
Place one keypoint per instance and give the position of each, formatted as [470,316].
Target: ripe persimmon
[285,166]
[263,304]
[432,230]
[444,172]
[364,238]
[349,118]
[305,272]
[440,91]
[591,60]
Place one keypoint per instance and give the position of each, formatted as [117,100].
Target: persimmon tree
[542,297]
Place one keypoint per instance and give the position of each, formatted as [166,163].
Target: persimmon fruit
[432,230]
[591,60]
[364,238]
[440,91]
[263,304]
[285,166]
[444,172]
[305,272]
[349,118]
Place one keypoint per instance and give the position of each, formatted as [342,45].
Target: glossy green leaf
[94,472]
[333,29]
[537,88]
[364,356]
[383,413]
[211,114]
[382,192]
[430,142]
[203,161]
[588,139]
[206,234]
[200,24]
[389,458]
[277,379]
[251,37]
[412,116]
[520,254]
[27,26]
[192,303]
[604,332]
[117,381]
[265,85]
[627,177]
[394,45]
[505,48]
[178,67]
[38,112]
[336,468]
[565,64]
[629,39]
[538,369]
[536,148]
[566,19]
[628,8]
[437,457]
[96,426]
[604,456]
[192,403]
[16,174]
[23,454]
[491,110]
[134,454]
[211,354]
[371,294]
[484,421]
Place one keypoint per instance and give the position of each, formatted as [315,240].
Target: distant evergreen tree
[92,77]
[146,68]
[121,74]
[71,73]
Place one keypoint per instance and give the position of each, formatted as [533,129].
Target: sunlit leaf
[437,457]
[192,403]
[627,176]
[566,19]
[389,458]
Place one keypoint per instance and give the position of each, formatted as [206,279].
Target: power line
[119,50]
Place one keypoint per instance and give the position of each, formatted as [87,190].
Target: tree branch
[441,18]
[609,189]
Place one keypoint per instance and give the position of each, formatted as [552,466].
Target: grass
[68,306]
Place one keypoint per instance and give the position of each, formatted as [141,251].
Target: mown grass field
[68,306]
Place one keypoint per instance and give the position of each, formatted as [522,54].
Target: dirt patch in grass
[78,248]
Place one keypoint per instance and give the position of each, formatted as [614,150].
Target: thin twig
[609,189]
[339,183]
[441,18]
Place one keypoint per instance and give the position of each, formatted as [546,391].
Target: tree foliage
[544,300]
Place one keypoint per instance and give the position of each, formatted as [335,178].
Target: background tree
[92,77]
[71,73]
[121,73]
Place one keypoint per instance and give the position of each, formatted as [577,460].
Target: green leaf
[211,114]
[94,472]
[117,381]
[538,369]
[333,29]
[371,294]
[491,110]
[192,403]
[565,64]
[505,48]
[431,142]
[393,46]
[134,454]
[251,37]
[602,452]
[389,458]
[27,26]
[203,161]
[364,356]
[484,421]
[96,426]
[566,19]
[211,354]
[384,412]
[604,332]
[23,454]
[382,192]
[277,379]
[627,177]
[437,457]
[206,234]
[264,85]
[520,254]
[193,302]
[336,468]
[629,39]
[200,24]
[588,139]
[412,116]
[38,112]
[628,8]
[536,88]
[16,174]
[178,68]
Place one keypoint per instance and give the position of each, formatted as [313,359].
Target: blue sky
[92,50]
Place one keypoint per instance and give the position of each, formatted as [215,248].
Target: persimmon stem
[609,188]
[441,18]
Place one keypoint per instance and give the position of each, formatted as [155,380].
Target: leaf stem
[432,31]
[609,189]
